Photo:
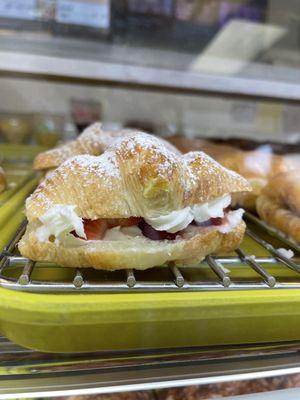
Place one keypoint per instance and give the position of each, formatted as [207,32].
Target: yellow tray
[100,322]
[12,203]
[97,322]
[16,161]
[19,152]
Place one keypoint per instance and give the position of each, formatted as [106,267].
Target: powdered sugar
[193,174]
[87,167]
[158,152]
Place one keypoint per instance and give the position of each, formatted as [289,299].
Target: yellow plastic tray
[97,322]
[17,152]
[16,161]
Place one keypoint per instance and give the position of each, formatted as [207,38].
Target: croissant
[2,180]
[256,166]
[93,140]
[138,205]
[279,203]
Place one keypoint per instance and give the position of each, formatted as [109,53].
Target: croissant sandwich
[2,180]
[279,203]
[93,140]
[257,166]
[138,205]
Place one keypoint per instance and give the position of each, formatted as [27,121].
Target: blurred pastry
[138,205]
[15,129]
[93,140]
[257,166]
[279,203]
[47,129]
[2,180]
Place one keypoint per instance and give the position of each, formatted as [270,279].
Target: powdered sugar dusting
[105,166]
[158,153]
[41,196]
[196,175]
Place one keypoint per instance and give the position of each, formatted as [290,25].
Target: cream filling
[119,233]
[59,221]
[233,219]
[178,220]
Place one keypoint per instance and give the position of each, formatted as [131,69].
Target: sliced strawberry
[153,234]
[95,229]
[112,222]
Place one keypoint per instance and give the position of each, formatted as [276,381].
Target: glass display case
[224,72]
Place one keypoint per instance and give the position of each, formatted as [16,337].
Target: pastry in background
[15,128]
[138,205]
[3,182]
[93,140]
[257,166]
[279,203]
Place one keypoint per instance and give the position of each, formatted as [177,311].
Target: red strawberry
[95,229]
[112,222]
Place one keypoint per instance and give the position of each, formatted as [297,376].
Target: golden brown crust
[275,214]
[3,182]
[250,164]
[93,141]
[139,253]
[256,166]
[279,203]
[139,176]
[186,145]
[285,189]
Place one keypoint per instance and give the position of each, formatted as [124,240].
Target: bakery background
[200,68]
[197,39]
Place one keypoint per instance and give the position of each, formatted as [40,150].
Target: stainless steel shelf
[150,68]
[26,373]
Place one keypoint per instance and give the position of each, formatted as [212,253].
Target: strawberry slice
[123,222]
[95,229]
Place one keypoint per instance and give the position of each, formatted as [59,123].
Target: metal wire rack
[176,279]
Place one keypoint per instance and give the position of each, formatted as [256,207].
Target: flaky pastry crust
[93,141]
[279,203]
[139,176]
[256,166]
[138,253]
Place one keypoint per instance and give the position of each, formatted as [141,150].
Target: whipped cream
[287,253]
[59,221]
[178,220]
[125,233]
[212,209]
[173,222]
[233,219]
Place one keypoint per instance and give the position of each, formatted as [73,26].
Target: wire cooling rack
[169,278]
